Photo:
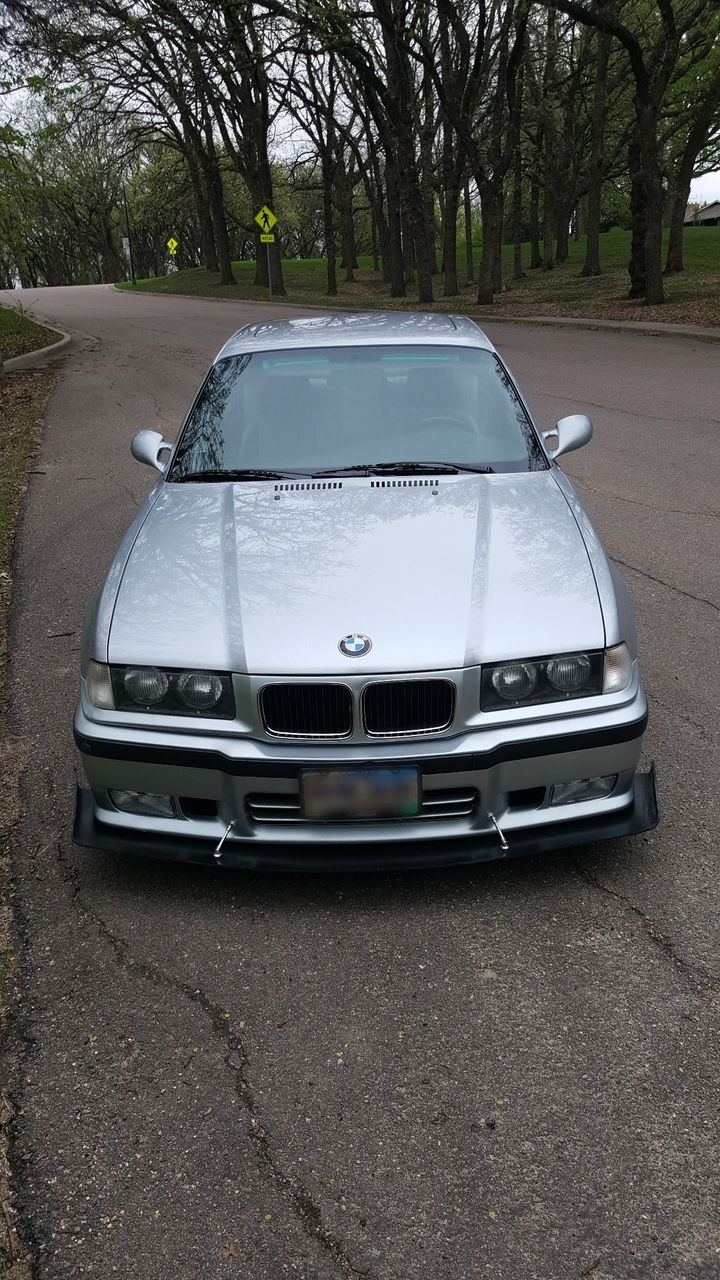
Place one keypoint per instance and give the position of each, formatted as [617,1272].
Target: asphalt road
[509,1072]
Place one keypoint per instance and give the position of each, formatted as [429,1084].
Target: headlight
[199,690]
[570,674]
[516,681]
[530,681]
[144,686]
[173,693]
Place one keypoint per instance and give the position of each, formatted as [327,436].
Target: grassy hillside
[693,296]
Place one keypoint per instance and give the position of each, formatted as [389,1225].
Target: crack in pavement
[702,981]
[670,586]
[236,1060]
[638,502]
[702,729]
[631,413]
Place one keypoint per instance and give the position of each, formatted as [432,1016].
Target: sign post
[266,221]
[129,241]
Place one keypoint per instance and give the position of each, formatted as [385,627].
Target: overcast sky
[706,189]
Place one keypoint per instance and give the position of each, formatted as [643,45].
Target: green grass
[20,335]
[22,401]
[693,297]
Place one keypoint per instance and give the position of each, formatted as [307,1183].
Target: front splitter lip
[642,814]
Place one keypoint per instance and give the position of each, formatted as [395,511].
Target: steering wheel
[462,420]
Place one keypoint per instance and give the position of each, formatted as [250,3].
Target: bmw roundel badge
[355,645]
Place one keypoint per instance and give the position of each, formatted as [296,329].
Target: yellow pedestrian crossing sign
[172,245]
[265,219]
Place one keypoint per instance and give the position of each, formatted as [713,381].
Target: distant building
[707,215]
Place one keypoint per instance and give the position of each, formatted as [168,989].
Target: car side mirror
[147,446]
[571,433]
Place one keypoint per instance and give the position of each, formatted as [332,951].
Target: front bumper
[640,815]
[255,787]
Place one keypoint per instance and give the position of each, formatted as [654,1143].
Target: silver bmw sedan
[361,619]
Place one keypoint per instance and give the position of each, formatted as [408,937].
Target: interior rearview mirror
[571,433]
[147,446]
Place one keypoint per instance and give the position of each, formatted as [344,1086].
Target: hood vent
[313,484]
[405,484]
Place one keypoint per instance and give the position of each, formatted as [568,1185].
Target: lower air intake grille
[307,710]
[394,708]
[278,807]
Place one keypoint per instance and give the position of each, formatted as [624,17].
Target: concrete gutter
[40,357]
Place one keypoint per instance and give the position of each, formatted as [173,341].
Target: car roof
[359,328]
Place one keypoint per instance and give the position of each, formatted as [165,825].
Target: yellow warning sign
[172,245]
[267,239]
[265,219]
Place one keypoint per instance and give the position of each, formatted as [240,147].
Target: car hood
[439,573]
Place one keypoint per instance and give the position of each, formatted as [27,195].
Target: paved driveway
[508,1072]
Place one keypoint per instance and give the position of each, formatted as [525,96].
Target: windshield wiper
[407,468]
[247,473]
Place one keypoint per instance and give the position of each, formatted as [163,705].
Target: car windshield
[332,409]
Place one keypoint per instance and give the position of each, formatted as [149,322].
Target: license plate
[345,795]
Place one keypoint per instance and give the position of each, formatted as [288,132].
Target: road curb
[31,359]
[643,328]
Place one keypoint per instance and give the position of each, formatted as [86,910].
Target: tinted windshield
[342,407]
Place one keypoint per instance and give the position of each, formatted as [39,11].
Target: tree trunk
[418,231]
[429,221]
[372,182]
[638,213]
[384,246]
[549,89]
[500,219]
[518,272]
[535,254]
[674,261]
[591,265]
[427,137]
[408,245]
[654,287]
[216,202]
[329,225]
[347,220]
[415,239]
[469,262]
[548,233]
[488,259]
[449,250]
[450,196]
[374,242]
[395,250]
[208,252]
[696,139]
[563,234]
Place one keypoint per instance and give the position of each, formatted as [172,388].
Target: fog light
[582,789]
[143,803]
